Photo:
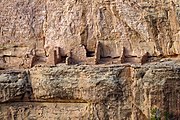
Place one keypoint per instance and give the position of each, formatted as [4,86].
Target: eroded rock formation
[86,92]
[125,29]
[84,59]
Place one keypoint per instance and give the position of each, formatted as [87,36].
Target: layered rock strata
[85,92]
[49,51]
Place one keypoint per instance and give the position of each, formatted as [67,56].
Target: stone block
[52,58]
[69,60]
[144,58]
[122,55]
[78,54]
[97,53]
[58,51]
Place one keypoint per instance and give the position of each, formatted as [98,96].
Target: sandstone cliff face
[38,36]
[86,92]
[125,29]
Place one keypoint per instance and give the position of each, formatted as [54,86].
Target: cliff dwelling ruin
[89,59]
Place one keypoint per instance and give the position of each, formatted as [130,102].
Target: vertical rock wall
[84,92]
[32,28]
[43,33]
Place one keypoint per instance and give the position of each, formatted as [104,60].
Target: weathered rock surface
[156,87]
[124,28]
[14,85]
[45,111]
[93,92]
[38,36]
[90,84]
